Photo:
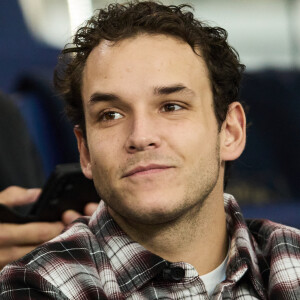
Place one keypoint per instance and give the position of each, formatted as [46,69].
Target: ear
[233,133]
[85,161]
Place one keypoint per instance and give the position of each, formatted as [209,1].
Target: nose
[143,135]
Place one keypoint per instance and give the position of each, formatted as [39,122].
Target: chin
[152,214]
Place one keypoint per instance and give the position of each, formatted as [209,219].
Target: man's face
[152,135]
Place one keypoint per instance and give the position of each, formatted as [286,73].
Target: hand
[15,195]
[17,240]
[70,215]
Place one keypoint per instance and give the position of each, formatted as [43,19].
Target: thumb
[69,216]
[90,208]
[15,196]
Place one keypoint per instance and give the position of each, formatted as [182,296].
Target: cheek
[198,146]
[188,138]
[105,150]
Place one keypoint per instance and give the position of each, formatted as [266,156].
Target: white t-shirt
[213,278]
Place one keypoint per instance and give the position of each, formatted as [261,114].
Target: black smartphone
[66,188]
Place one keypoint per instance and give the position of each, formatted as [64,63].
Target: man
[153,96]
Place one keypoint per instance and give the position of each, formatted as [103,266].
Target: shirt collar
[243,260]
[132,263]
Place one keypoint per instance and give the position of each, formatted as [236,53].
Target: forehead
[143,60]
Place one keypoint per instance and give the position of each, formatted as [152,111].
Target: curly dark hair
[120,21]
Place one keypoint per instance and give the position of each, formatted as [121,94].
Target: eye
[110,116]
[169,107]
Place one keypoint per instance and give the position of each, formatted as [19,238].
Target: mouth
[145,170]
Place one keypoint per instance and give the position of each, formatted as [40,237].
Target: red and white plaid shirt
[95,259]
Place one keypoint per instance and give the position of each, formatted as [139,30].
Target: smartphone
[66,188]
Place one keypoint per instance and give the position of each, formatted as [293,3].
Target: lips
[146,169]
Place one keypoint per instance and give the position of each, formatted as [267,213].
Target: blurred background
[265,180]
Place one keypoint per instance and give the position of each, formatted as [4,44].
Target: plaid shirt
[95,259]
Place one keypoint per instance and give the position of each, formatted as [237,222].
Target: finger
[69,216]
[9,254]
[28,234]
[90,208]
[15,195]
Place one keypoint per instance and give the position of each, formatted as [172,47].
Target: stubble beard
[200,185]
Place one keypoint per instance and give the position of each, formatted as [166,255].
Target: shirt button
[173,274]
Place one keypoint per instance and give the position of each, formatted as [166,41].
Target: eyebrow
[158,91]
[176,88]
[102,97]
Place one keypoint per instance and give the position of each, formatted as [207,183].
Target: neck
[199,237]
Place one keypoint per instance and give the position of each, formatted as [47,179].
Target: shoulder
[17,282]
[270,235]
[56,266]
[278,251]
[77,242]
